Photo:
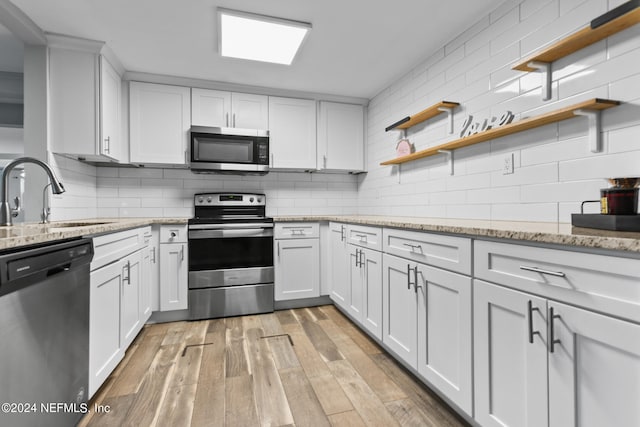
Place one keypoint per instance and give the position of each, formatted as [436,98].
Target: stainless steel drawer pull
[363,237]
[542,271]
[408,276]
[413,247]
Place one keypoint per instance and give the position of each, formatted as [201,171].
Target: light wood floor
[303,367]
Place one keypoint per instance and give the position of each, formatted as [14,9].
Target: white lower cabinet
[540,362]
[510,370]
[445,333]
[339,264]
[105,351]
[173,276]
[427,323]
[365,285]
[296,267]
[131,307]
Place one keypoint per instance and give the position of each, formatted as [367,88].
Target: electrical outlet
[507,167]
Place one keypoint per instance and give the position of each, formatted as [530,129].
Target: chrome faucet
[46,210]
[5,209]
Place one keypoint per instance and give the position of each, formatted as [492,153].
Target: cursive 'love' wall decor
[469,127]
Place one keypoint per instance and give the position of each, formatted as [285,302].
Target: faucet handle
[16,211]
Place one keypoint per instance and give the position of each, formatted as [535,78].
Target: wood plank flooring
[302,367]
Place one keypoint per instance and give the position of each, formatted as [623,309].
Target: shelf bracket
[449,154]
[595,128]
[449,112]
[545,69]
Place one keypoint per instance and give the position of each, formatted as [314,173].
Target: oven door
[230,254]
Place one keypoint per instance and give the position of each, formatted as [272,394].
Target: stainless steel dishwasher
[44,334]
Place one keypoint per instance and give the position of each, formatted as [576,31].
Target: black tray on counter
[607,222]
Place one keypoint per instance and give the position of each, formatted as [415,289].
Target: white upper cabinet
[341,137]
[218,108]
[292,133]
[85,101]
[159,122]
[210,107]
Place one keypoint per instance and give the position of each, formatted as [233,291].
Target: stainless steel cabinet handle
[363,237]
[415,279]
[227,120]
[272,160]
[107,141]
[324,161]
[182,253]
[278,249]
[154,254]
[127,278]
[357,257]
[408,276]
[361,258]
[552,339]
[530,310]
[542,271]
[234,120]
[343,229]
[413,247]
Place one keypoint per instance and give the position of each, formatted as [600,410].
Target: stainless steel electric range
[230,256]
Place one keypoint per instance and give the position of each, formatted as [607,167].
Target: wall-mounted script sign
[470,128]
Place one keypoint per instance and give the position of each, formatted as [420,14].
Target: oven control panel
[229,199]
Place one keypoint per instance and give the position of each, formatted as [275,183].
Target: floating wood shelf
[579,40]
[592,105]
[423,115]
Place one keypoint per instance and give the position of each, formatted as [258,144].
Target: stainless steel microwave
[229,150]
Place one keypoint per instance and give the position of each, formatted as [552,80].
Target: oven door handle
[229,234]
[229,226]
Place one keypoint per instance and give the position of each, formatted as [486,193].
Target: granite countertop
[32,233]
[540,232]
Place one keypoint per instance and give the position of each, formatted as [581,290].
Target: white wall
[144,192]
[554,169]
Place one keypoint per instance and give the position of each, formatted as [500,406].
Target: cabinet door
[372,291]
[173,276]
[159,123]
[292,133]
[510,371]
[444,333]
[210,108]
[110,140]
[146,283]
[356,283]
[105,351]
[594,370]
[339,266]
[400,309]
[296,266]
[341,137]
[249,111]
[130,316]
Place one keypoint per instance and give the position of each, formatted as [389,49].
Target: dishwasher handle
[23,268]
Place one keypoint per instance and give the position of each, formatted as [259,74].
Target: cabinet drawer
[174,233]
[607,284]
[113,246]
[368,237]
[297,230]
[448,252]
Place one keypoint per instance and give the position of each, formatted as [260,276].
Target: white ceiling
[356,47]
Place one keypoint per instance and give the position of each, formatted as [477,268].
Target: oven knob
[259,200]
[201,199]
[251,199]
[208,199]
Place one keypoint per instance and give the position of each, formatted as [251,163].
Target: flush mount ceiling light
[258,37]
